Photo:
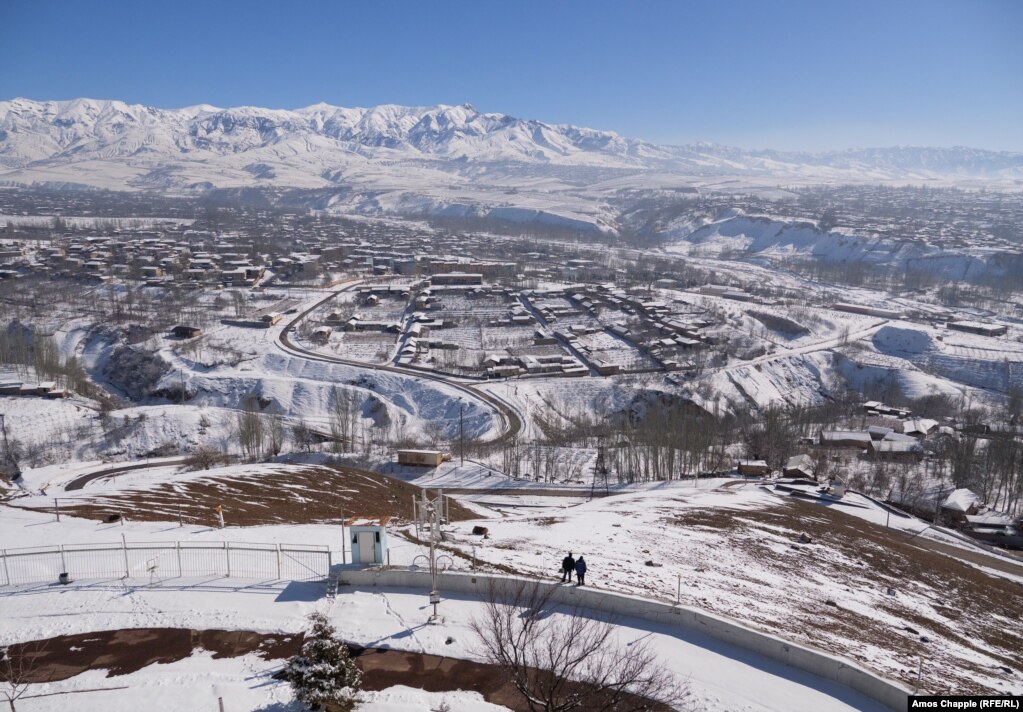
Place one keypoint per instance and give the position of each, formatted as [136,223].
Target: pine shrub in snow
[323,675]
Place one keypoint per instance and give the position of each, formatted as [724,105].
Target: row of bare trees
[260,434]
[36,354]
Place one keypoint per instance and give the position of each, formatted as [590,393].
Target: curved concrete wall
[829,667]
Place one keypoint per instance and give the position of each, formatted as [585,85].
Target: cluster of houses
[650,327]
[654,329]
[899,439]
[965,510]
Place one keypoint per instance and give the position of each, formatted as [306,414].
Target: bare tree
[19,668]
[568,660]
[344,416]
[250,431]
[303,436]
[276,433]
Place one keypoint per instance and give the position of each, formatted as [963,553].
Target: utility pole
[599,470]
[431,510]
[461,430]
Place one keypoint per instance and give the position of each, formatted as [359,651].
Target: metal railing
[163,560]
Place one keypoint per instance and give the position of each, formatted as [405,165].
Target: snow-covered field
[725,546]
[735,550]
[720,677]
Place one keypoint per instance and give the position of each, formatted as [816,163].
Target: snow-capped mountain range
[55,133]
[440,158]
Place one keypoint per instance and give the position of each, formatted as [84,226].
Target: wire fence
[164,560]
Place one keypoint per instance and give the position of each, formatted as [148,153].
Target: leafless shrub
[569,660]
[205,457]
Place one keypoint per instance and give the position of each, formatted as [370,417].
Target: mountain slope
[451,160]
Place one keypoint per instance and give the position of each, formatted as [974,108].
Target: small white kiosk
[367,537]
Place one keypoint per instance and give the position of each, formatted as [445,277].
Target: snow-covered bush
[324,675]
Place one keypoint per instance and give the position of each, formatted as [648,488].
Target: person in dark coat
[580,571]
[567,567]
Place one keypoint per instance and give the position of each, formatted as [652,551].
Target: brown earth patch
[125,651]
[121,652]
[316,494]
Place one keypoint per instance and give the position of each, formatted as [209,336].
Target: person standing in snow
[580,571]
[567,567]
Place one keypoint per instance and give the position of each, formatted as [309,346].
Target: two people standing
[569,566]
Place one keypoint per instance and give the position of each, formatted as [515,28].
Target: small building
[899,450]
[960,504]
[457,278]
[800,466]
[321,334]
[995,528]
[183,331]
[867,310]
[845,438]
[919,427]
[753,468]
[978,327]
[420,458]
[368,537]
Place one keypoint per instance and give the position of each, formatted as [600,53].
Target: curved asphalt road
[80,482]
[512,421]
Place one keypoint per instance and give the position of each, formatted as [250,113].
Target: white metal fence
[163,560]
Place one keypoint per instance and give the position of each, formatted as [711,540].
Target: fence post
[7,573]
[124,549]
[63,561]
[278,562]
[227,553]
[180,572]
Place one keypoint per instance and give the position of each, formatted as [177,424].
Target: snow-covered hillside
[779,239]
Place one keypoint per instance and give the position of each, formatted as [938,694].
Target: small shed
[754,468]
[845,438]
[422,458]
[959,504]
[800,466]
[897,450]
[184,331]
[368,538]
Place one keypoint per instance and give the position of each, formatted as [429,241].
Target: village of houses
[424,301]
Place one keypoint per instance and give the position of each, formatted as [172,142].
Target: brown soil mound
[316,494]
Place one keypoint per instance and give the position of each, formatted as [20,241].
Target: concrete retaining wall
[829,667]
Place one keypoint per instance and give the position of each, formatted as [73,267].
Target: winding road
[82,480]
[511,420]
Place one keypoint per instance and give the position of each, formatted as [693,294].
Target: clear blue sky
[809,74]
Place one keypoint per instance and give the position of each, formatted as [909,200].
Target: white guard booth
[367,537]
